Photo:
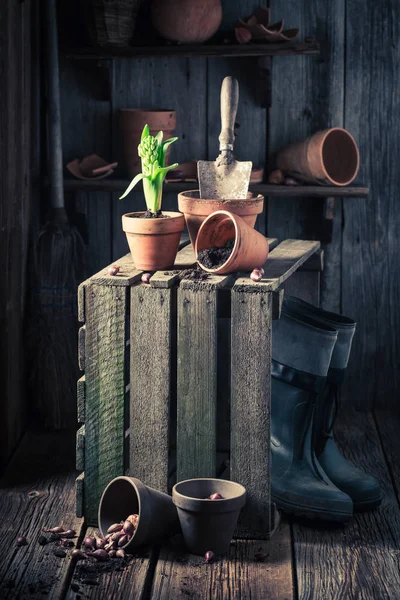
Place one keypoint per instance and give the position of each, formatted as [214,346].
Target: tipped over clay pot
[132,121]
[329,157]
[197,209]
[153,242]
[208,524]
[250,248]
[126,496]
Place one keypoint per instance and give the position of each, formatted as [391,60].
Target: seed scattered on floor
[209,556]
[22,541]
[60,553]
[42,540]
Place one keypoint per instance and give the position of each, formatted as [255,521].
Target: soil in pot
[212,258]
[150,215]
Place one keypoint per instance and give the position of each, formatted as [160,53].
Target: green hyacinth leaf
[165,147]
[145,133]
[132,184]
[159,137]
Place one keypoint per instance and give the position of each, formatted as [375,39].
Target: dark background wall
[354,83]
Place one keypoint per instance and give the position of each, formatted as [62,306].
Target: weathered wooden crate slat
[182,367]
[150,383]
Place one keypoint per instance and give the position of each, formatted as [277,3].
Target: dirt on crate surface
[194,274]
[212,258]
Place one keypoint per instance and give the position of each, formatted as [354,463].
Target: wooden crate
[177,376]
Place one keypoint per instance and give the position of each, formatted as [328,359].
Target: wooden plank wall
[14,212]
[352,84]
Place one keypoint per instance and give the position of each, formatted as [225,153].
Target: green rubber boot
[363,488]
[301,354]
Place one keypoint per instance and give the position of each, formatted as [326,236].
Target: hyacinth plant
[153,151]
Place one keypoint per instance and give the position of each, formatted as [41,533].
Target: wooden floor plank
[388,424]
[132,580]
[359,561]
[182,576]
[37,491]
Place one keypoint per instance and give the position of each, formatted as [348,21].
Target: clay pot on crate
[126,496]
[250,248]
[329,157]
[197,209]
[208,524]
[112,22]
[186,21]
[153,242]
[132,121]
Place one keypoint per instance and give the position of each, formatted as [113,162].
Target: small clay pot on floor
[153,242]
[197,209]
[249,248]
[132,121]
[125,496]
[208,524]
[328,157]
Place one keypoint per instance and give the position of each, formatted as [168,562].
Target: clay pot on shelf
[186,21]
[196,209]
[126,496]
[111,22]
[153,242]
[208,524]
[132,121]
[329,157]
[250,249]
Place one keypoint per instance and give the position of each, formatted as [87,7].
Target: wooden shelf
[118,185]
[188,50]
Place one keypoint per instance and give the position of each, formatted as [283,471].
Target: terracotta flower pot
[153,242]
[329,157]
[132,121]
[126,496]
[208,524]
[250,248]
[197,209]
[187,21]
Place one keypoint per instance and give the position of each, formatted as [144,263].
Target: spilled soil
[212,258]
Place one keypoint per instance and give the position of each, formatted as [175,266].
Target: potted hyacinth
[153,236]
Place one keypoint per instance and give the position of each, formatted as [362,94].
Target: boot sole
[311,513]
[368,505]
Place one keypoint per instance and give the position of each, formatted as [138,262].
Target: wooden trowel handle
[229,105]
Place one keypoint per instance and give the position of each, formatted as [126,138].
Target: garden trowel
[226,178]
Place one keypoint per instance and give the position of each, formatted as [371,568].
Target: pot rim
[149,110]
[232,255]
[191,503]
[325,134]
[143,511]
[133,225]
[253,199]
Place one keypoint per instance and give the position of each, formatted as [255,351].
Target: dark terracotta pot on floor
[250,248]
[153,242]
[208,524]
[126,496]
[196,209]
[187,21]
[132,121]
[329,157]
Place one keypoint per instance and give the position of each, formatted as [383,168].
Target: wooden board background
[351,84]
[15,189]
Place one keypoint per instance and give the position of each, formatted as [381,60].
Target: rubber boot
[301,354]
[363,488]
